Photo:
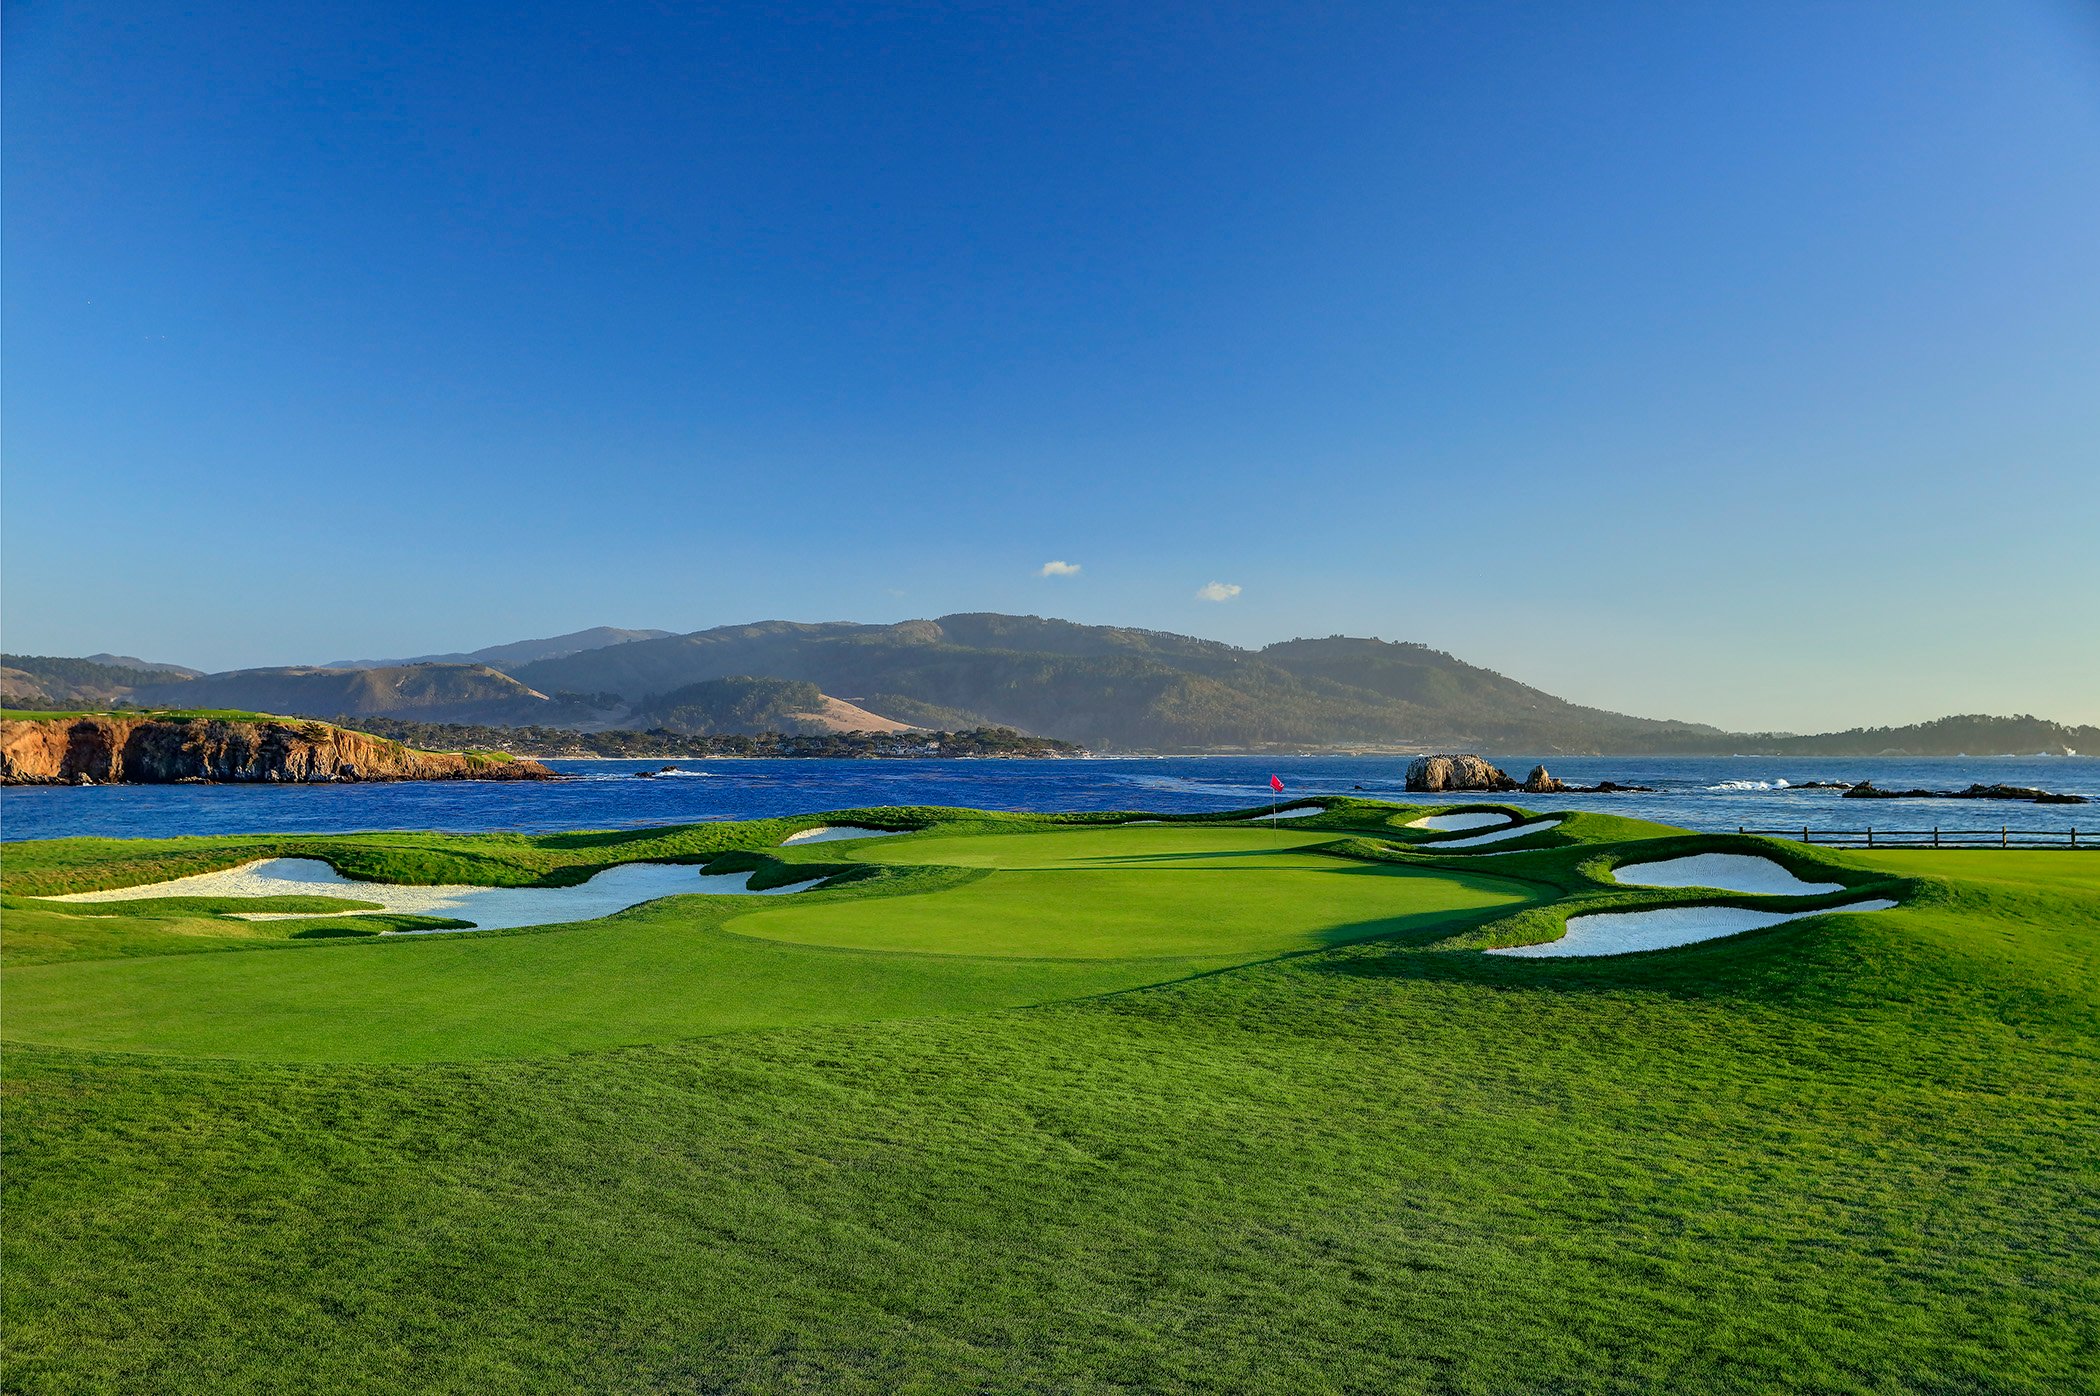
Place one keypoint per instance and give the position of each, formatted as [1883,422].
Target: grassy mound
[707,1147]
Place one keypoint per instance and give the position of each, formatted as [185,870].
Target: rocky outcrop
[1867,790]
[1541,782]
[118,749]
[1433,774]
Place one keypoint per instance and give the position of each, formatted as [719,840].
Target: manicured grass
[1142,892]
[155,714]
[1849,1154]
[1169,901]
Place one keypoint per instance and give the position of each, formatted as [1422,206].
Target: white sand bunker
[1515,831]
[1733,872]
[488,908]
[1444,823]
[1289,813]
[833,833]
[1624,932]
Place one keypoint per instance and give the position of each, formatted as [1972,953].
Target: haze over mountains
[1107,687]
[517,652]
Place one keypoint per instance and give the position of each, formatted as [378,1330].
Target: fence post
[2001,836]
[1870,836]
[1935,836]
[1804,833]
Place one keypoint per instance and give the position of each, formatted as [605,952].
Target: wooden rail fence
[2004,836]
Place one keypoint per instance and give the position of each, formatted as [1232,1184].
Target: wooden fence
[2004,836]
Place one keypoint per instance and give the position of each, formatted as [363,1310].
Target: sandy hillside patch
[838,715]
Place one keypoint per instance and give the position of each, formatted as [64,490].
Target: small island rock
[1431,774]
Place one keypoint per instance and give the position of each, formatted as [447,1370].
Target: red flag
[1276,784]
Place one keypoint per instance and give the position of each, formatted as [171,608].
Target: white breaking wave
[1750,785]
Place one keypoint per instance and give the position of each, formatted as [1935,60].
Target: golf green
[1138,893]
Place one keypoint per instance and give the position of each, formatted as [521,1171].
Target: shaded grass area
[1849,1154]
[36,934]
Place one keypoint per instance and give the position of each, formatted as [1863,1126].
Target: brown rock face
[1431,774]
[1541,782]
[148,750]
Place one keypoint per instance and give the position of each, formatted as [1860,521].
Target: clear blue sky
[1729,362]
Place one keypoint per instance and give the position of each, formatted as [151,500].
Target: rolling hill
[433,692]
[38,680]
[1111,688]
[747,705]
[1116,688]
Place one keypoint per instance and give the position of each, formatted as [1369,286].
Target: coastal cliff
[121,749]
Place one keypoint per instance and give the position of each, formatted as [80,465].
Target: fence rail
[2004,836]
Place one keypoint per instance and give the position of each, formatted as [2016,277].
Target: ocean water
[1713,793]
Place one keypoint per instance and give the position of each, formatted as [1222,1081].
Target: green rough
[1849,1154]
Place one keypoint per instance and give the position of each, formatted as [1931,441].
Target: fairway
[1085,912]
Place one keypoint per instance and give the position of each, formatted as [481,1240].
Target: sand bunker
[1290,813]
[1733,872]
[1624,932]
[488,908]
[1444,823]
[1515,831]
[833,833]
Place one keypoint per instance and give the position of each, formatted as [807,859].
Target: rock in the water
[1431,774]
[1867,790]
[1541,782]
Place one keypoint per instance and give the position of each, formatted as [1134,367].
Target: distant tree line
[659,742]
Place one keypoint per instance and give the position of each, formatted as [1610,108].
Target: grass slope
[1848,1154]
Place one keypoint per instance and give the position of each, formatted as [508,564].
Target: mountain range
[1110,688]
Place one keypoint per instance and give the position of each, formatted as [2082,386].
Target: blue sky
[1735,363]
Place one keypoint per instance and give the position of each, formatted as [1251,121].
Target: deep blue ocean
[1715,793]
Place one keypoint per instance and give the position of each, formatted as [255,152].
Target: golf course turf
[1054,1104]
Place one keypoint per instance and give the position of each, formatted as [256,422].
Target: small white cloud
[1059,569]
[1217,591]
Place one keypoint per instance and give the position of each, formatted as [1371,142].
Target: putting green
[1054,915]
[1137,893]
